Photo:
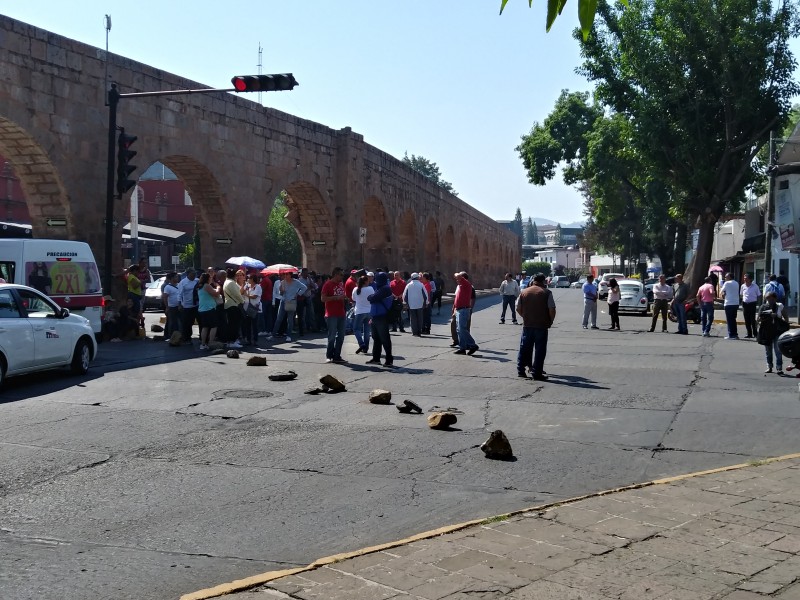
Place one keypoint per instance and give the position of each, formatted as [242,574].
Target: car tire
[81,357]
[3,368]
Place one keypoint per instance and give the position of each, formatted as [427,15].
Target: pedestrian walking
[207,315]
[680,293]
[290,289]
[705,297]
[233,301]
[538,311]
[614,296]
[662,296]
[361,325]
[589,303]
[462,309]
[730,299]
[171,297]
[397,286]
[772,322]
[750,293]
[509,292]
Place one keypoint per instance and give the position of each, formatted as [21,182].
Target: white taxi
[37,334]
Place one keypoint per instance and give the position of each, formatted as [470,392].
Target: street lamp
[630,254]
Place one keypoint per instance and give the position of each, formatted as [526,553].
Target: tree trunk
[697,270]
[680,247]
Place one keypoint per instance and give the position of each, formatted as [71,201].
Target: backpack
[774,286]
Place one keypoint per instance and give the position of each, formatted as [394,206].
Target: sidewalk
[730,533]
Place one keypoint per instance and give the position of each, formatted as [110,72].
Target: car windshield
[629,288]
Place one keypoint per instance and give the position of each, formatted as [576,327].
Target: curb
[241,585]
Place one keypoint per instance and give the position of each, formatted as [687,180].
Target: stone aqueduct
[234,156]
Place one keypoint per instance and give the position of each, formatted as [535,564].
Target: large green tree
[595,150]
[531,234]
[516,224]
[281,244]
[586,12]
[430,170]
[702,84]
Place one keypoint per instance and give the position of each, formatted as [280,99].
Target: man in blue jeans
[538,311]
[333,296]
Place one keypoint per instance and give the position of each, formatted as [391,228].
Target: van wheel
[81,358]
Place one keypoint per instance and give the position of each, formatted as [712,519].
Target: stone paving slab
[727,534]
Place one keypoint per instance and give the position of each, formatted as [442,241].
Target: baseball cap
[415,276]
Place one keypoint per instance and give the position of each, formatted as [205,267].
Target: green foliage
[516,224]
[531,234]
[586,12]
[187,256]
[429,169]
[281,244]
[701,83]
[532,267]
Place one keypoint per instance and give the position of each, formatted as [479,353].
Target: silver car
[36,334]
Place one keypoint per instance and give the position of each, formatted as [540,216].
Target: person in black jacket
[381,302]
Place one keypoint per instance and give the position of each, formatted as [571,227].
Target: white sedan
[36,334]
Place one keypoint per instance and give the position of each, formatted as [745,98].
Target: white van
[62,269]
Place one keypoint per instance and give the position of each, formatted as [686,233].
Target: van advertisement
[63,277]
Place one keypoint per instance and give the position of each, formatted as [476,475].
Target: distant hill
[543,221]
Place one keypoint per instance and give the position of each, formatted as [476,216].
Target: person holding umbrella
[290,289]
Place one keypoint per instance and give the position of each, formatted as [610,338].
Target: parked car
[36,334]
[559,281]
[152,295]
[602,284]
[632,296]
[578,284]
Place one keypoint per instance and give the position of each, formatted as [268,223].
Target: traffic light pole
[243,83]
[108,275]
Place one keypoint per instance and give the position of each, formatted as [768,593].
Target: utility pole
[770,217]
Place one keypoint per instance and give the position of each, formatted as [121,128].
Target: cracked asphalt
[167,470]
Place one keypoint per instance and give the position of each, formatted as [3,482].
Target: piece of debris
[156,328]
[283,376]
[219,351]
[257,361]
[232,354]
[216,346]
[314,391]
[175,339]
[413,406]
[497,446]
[334,384]
[380,397]
[441,420]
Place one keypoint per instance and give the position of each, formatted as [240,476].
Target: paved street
[168,470]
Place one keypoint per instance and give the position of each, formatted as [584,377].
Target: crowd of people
[236,307]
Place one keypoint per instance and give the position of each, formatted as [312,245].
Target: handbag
[290,305]
[251,311]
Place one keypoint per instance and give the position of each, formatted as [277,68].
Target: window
[8,305]
[7,271]
[36,305]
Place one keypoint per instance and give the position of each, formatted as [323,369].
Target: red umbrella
[278,269]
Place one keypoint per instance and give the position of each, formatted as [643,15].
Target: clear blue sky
[448,80]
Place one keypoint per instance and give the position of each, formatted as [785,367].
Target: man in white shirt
[416,298]
[188,307]
[662,295]
[750,293]
[730,296]
[172,299]
[509,291]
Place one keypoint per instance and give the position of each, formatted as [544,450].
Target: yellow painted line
[241,585]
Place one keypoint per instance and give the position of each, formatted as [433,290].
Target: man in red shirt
[462,306]
[333,296]
[398,286]
[352,283]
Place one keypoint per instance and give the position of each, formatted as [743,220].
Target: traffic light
[279,82]
[124,155]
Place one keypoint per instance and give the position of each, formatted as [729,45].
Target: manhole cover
[218,395]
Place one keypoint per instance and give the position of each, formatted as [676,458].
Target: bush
[530,267]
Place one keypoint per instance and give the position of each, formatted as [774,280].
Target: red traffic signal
[279,82]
